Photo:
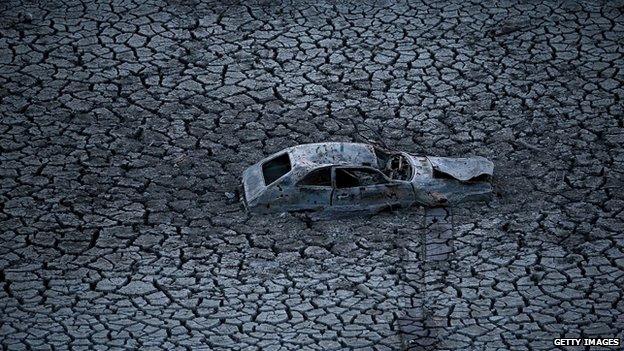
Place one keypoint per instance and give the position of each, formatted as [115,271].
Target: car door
[366,188]
[313,190]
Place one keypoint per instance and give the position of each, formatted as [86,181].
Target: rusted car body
[337,176]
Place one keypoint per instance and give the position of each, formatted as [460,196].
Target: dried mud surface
[125,126]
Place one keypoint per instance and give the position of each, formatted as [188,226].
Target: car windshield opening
[382,157]
[394,165]
[275,168]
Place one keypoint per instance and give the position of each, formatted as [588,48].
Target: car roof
[311,156]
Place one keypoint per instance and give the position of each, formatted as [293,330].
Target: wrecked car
[341,176]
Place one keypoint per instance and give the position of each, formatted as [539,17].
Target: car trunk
[253,184]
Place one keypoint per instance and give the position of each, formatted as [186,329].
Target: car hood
[462,169]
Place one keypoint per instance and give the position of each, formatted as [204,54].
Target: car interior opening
[275,168]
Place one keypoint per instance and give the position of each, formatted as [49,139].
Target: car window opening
[344,179]
[349,178]
[275,168]
[318,177]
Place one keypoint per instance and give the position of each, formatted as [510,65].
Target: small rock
[230,197]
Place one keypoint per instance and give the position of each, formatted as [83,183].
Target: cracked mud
[126,125]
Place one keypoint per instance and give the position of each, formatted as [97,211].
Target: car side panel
[373,197]
[280,198]
[310,198]
[402,192]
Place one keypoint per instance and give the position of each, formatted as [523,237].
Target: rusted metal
[360,177]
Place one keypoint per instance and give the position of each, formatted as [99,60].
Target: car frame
[340,176]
